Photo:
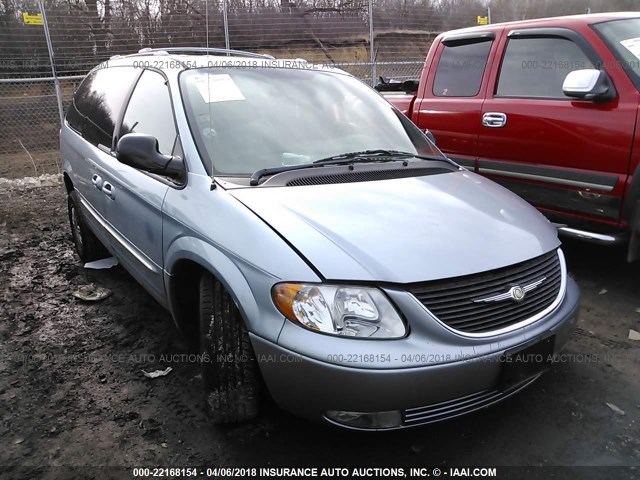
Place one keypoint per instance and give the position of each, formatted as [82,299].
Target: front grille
[455,301]
[366,176]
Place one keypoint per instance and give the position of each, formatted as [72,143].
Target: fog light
[366,420]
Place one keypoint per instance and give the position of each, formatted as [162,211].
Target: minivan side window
[460,69]
[98,103]
[73,117]
[537,67]
[149,111]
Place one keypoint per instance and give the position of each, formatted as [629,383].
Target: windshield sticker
[633,45]
[219,88]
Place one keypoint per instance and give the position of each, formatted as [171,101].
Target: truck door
[568,157]
[453,93]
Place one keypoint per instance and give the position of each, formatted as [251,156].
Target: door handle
[97,181]
[494,119]
[107,188]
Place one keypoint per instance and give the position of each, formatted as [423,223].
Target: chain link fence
[367,38]
[402,70]
[30,119]
[47,46]
[30,123]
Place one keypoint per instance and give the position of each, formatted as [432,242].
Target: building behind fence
[45,54]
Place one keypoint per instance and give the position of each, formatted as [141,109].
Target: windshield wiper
[263,172]
[365,156]
[373,156]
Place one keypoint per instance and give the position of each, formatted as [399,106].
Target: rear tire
[88,247]
[229,368]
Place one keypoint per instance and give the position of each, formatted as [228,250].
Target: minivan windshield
[246,119]
[623,38]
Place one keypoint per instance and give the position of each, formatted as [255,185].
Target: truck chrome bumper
[600,238]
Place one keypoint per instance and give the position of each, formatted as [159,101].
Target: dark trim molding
[566,199]
[556,175]
[465,162]
[456,39]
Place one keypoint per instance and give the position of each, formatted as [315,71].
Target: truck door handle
[97,181]
[107,188]
[494,119]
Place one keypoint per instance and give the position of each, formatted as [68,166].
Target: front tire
[88,247]
[229,368]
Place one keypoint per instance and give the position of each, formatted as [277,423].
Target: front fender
[217,232]
[249,286]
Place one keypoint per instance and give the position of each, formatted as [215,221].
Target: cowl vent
[364,176]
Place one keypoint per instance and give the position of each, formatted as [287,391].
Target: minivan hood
[404,230]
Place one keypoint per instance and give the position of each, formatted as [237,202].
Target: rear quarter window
[74,119]
[98,103]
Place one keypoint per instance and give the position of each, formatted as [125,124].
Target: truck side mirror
[588,84]
[429,134]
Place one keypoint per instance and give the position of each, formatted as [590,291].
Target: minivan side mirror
[588,84]
[140,150]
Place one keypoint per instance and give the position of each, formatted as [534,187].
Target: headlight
[339,310]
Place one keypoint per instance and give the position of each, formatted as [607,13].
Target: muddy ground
[72,392]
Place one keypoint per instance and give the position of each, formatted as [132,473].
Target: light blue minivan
[311,239]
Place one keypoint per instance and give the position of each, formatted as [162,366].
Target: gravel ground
[72,392]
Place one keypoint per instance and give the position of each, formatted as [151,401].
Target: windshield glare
[623,37]
[244,120]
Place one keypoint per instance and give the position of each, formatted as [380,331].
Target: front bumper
[309,387]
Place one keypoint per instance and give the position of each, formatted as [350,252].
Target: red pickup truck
[548,108]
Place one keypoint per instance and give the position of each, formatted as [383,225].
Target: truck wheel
[229,367]
[88,247]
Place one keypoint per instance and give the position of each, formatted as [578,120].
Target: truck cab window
[537,67]
[460,70]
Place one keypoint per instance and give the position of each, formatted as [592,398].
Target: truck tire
[88,247]
[229,368]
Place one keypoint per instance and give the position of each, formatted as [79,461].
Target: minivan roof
[178,59]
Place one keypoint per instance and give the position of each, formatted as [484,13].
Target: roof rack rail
[204,50]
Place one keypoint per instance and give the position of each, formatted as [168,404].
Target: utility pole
[372,52]
[56,82]
[225,19]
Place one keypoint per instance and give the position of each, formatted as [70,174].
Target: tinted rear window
[98,103]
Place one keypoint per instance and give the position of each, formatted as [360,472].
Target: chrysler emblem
[515,294]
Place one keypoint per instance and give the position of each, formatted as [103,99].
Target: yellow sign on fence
[35,19]
[483,20]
